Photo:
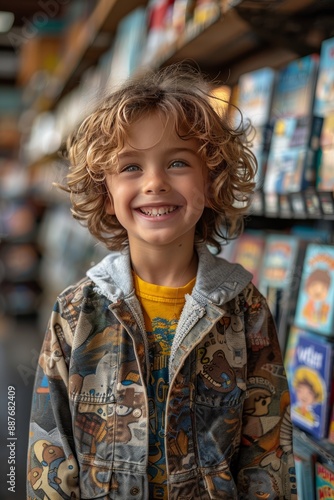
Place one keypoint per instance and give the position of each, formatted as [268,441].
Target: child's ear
[109,205]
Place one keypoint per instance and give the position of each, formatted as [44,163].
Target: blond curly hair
[182,93]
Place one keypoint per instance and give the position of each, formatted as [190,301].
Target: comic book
[290,352]
[276,277]
[295,87]
[324,481]
[127,47]
[255,95]
[310,381]
[278,261]
[305,458]
[248,252]
[325,172]
[324,93]
[254,100]
[291,165]
[315,310]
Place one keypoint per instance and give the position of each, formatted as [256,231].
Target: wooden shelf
[231,45]
[227,47]
[103,20]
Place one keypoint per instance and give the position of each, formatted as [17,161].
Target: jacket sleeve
[52,465]
[266,458]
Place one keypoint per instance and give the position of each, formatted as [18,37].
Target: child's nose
[156,182]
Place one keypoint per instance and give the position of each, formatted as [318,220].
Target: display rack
[233,44]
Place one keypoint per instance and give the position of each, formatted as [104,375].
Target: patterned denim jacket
[228,431]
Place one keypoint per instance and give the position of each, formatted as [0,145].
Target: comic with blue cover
[324,93]
[315,304]
[295,87]
[291,167]
[255,95]
[254,100]
[279,260]
[310,383]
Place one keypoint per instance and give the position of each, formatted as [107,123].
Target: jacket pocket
[218,406]
[99,482]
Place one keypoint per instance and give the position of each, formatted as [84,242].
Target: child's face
[317,290]
[158,192]
[305,395]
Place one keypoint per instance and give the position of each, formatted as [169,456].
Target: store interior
[58,57]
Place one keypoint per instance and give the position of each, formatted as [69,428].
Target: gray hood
[218,281]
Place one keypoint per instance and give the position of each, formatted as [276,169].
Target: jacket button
[134,491]
[136,412]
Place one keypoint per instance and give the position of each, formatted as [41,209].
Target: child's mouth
[157,211]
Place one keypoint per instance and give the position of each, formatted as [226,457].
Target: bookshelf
[232,44]
[88,43]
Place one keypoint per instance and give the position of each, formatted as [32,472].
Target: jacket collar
[217,282]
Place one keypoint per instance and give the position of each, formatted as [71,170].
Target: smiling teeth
[157,212]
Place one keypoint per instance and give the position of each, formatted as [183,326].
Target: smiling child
[148,380]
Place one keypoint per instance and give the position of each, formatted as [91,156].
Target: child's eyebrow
[182,149]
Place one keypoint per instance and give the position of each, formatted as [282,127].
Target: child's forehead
[152,128]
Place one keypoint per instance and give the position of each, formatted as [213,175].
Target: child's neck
[172,267]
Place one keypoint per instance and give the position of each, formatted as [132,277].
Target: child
[149,362]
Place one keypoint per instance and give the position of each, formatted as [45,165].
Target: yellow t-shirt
[162,307]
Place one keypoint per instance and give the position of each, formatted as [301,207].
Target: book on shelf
[325,167]
[276,277]
[314,310]
[305,458]
[278,262]
[161,32]
[254,101]
[295,88]
[255,95]
[291,165]
[324,481]
[248,251]
[309,372]
[314,467]
[127,50]
[324,92]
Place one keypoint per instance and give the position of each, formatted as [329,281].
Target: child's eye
[178,164]
[130,168]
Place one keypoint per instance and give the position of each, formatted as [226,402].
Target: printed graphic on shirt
[162,307]
[160,340]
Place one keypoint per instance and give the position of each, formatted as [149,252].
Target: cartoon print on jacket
[219,426]
[258,485]
[48,476]
[217,373]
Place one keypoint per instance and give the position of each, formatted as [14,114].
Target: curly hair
[184,94]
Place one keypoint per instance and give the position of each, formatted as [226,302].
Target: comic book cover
[311,383]
[278,261]
[276,277]
[255,95]
[249,252]
[305,458]
[324,482]
[325,173]
[295,88]
[324,93]
[315,310]
[254,100]
[291,163]
[290,351]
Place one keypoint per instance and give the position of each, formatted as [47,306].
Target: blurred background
[57,57]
